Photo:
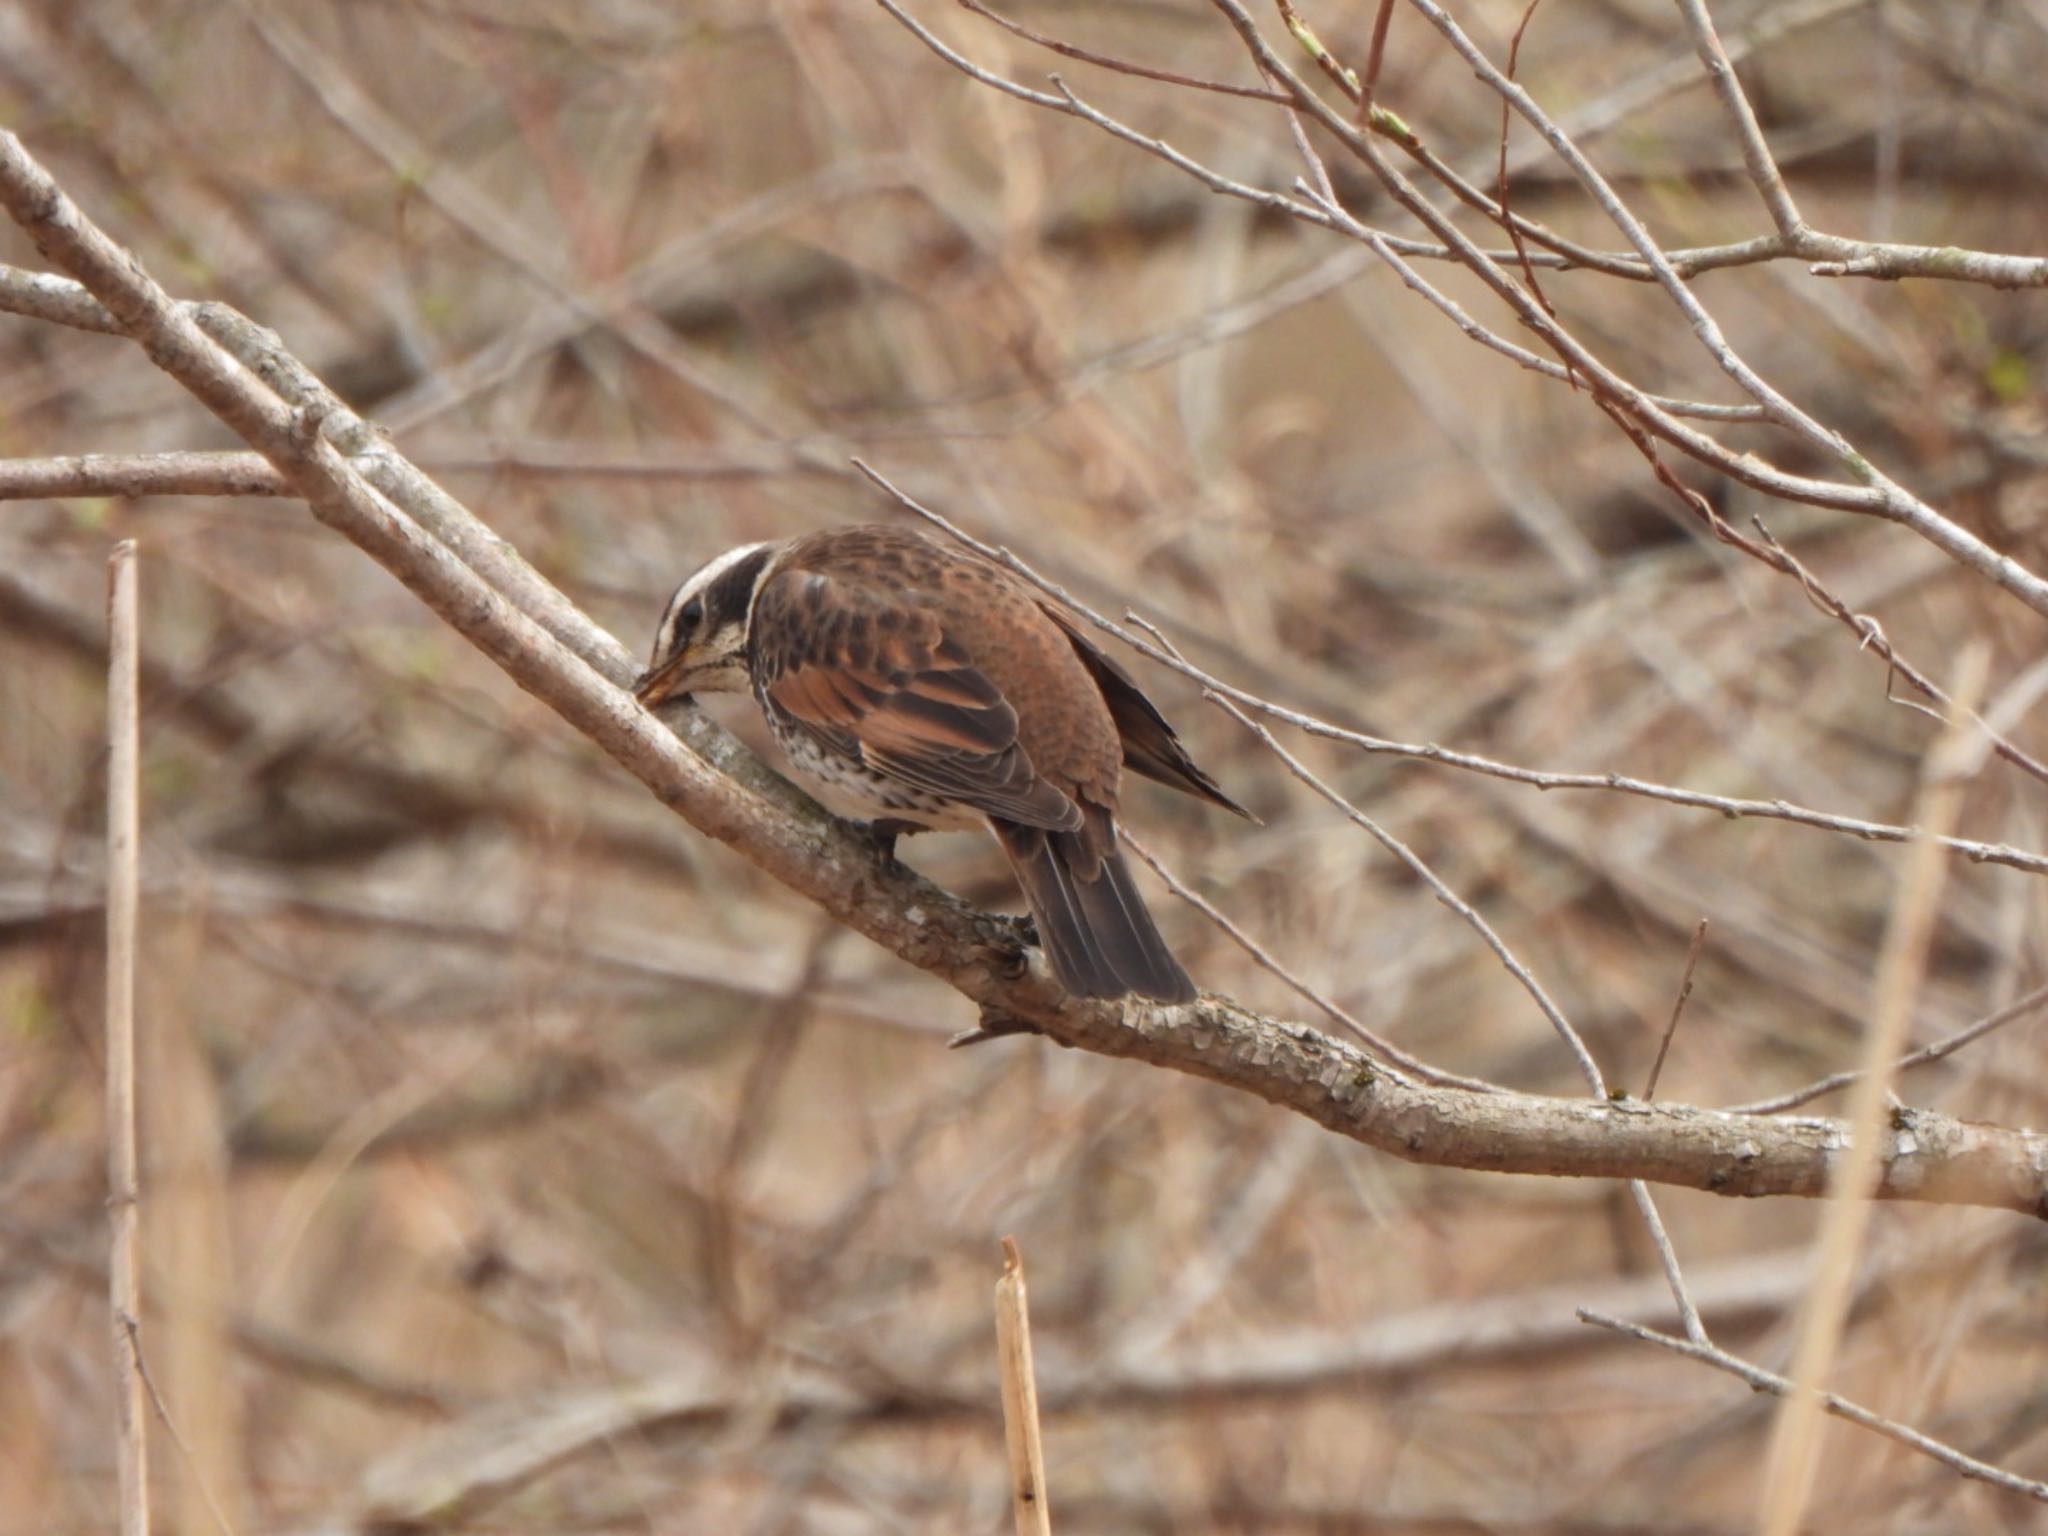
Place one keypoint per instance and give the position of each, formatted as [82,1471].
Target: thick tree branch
[508,611]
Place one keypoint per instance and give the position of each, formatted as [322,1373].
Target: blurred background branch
[481,1088]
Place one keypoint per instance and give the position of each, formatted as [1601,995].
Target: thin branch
[214,1511]
[1756,153]
[1703,324]
[1871,637]
[1767,551]
[1692,960]
[571,461]
[1849,257]
[1287,1063]
[1375,59]
[1120,66]
[1761,1380]
[1563,252]
[1397,131]
[1938,1050]
[1574,1043]
[1333,272]
[1502,191]
[1429,752]
[1879,496]
[1890,263]
[1377,1043]
[141,474]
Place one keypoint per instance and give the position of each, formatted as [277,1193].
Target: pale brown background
[482,1094]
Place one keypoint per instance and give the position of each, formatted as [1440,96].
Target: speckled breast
[847,787]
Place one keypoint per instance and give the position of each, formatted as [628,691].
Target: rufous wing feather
[863,670]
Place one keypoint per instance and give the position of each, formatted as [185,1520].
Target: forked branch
[474,582]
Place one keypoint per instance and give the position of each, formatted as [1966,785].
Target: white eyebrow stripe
[695,586]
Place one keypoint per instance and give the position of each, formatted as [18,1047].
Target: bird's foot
[1020,928]
[1009,940]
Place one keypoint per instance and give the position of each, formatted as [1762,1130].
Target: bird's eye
[691,616]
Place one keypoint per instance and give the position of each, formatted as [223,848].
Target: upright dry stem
[1020,1398]
[1795,1442]
[124,1277]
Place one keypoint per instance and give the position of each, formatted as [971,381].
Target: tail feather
[1098,934]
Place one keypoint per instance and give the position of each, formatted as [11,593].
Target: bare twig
[1692,960]
[1703,324]
[1871,637]
[1756,154]
[141,474]
[1938,1050]
[1502,193]
[1761,1380]
[1121,66]
[1574,1043]
[1890,263]
[124,1266]
[1377,1043]
[1767,551]
[1430,752]
[1876,494]
[219,1516]
[1375,59]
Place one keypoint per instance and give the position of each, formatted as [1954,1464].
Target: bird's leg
[1007,934]
[883,832]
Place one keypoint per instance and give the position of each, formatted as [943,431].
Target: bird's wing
[1151,746]
[867,673]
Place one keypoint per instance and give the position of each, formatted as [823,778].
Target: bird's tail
[1096,930]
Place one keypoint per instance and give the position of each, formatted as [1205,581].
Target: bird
[912,684]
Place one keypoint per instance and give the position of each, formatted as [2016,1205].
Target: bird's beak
[657,685]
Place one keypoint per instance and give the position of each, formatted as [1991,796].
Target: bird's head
[701,644]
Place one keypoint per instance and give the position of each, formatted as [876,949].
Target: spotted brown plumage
[910,682]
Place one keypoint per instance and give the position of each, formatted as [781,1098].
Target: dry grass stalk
[1901,966]
[1020,1398]
[124,1281]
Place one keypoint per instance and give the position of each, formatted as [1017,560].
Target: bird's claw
[1009,941]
